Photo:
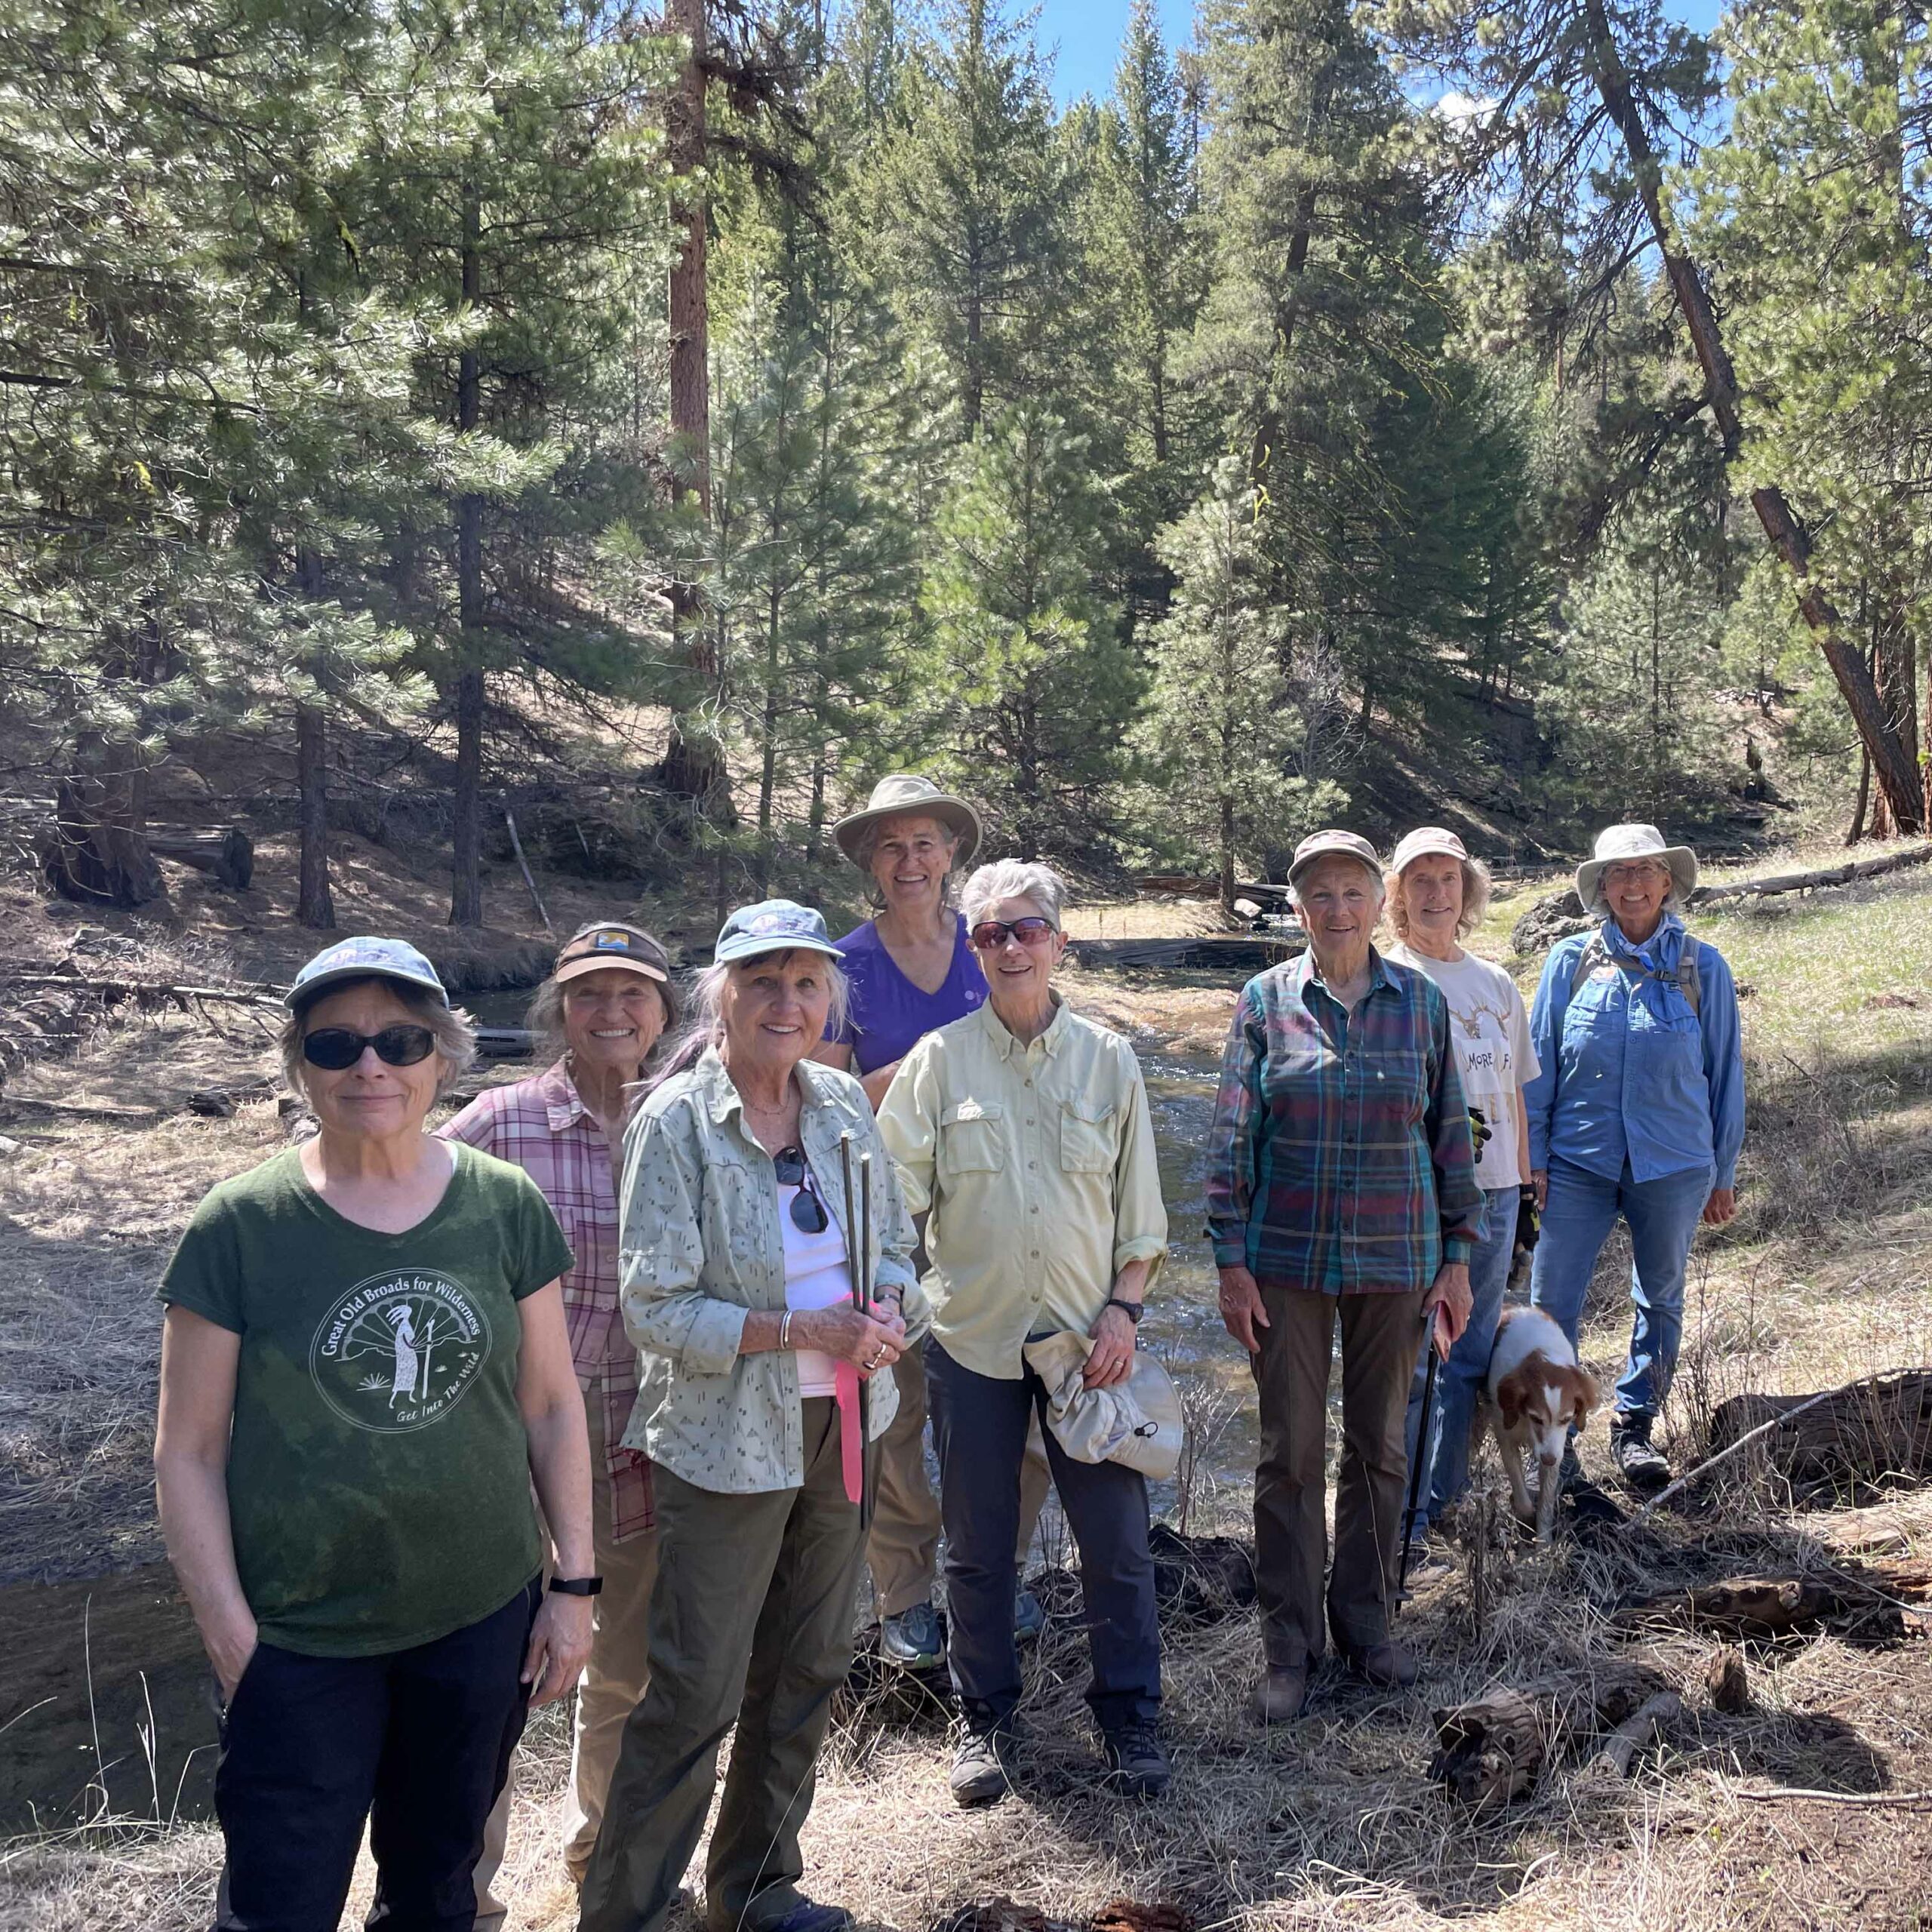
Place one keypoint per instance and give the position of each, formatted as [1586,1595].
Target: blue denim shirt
[1630,1072]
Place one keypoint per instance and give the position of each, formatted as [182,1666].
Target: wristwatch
[577,1586]
[1132,1310]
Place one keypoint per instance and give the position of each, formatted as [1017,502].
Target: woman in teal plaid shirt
[1341,1185]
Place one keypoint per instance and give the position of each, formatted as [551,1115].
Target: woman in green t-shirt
[364,1366]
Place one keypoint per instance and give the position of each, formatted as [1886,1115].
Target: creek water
[106,1703]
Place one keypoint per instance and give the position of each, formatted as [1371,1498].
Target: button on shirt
[1630,1073]
[702,1247]
[1035,1162]
[541,1125]
[1340,1159]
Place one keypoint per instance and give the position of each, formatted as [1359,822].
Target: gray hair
[545,1017]
[449,1026]
[1013,878]
[704,1021]
[1374,874]
[1475,896]
[865,849]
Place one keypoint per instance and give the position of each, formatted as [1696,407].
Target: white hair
[1374,873]
[704,1025]
[1013,878]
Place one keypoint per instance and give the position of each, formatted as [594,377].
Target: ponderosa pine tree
[1028,692]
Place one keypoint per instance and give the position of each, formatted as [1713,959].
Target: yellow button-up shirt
[1036,1163]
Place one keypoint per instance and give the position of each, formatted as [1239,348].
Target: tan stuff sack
[1136,1422]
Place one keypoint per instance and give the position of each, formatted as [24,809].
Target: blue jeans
[1662,1216]
[1446,1473]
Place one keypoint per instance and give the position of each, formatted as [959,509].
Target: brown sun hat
[903,794]
[599,949]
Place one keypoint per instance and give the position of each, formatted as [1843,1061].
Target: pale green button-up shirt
[701,1247]
[1036,1164]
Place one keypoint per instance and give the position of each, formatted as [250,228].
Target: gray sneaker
[912,1640]
[1642,1466]
[983,1763]
[1136,1763]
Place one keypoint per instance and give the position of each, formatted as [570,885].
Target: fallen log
[1643,1726]
[1878,1426]
[150,992]
[225,851]
[1848,874]
[1492,1750]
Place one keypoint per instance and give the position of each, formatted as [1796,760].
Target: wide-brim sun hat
[1620,843]
[774,925]
[365,958]
[612,947]
[1341,844]
[1426,841]
[904,794]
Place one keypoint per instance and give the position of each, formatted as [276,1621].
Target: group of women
[591,1387]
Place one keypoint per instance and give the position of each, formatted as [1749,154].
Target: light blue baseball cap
[365,959]
[773,925]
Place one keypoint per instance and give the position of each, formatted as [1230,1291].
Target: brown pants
[609,1691]
[904,1540]
[1380,1336]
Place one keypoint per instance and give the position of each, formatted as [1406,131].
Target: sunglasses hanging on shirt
[335,1049]
[808,1214]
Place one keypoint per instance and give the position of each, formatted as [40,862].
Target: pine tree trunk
[693,763]
[1900,786]
[315,903]
[466,814]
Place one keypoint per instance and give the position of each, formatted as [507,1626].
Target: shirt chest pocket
[1086,1138]
[972,1139]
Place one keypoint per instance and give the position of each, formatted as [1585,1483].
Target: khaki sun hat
[1426,841]
[1321,845]
[1621,842]
[903,794]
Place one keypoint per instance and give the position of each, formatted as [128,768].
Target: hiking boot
[1431,1560]
[1136,1765]
[1642,1467]
[983,1763]
[1030,1616]
[809,1916]
[1278,1697]
[1386,1665]
[912,1640]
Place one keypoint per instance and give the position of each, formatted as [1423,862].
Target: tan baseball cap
[1427,842]
[1320,844]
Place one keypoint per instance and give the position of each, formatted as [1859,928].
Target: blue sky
[1087,34]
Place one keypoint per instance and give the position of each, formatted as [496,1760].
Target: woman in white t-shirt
[1436,894]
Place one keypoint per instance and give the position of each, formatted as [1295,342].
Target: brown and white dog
[1534,1395]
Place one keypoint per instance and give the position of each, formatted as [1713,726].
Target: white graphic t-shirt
[1491,1029]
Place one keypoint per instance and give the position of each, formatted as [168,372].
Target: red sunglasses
[990,934]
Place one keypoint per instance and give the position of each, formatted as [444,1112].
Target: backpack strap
[1689,975]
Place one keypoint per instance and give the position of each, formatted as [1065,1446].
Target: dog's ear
[1583,1389]
[1509,1401]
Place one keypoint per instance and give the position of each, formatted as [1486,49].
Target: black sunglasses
[808,1214]
[335,1049]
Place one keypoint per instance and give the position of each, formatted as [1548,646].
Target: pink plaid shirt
[541,1125]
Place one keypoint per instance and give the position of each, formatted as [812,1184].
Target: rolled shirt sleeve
[1231,1149]
[662,1255]
[1140,1215]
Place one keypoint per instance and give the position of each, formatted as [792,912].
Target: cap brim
[307,993]
[750,945]
[1372,866]
[609,962]
[955,813]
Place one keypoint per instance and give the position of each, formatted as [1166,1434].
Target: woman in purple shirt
[911,972]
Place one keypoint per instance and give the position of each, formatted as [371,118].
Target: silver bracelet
[785,1330]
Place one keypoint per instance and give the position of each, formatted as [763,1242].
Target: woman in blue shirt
[1639,1110]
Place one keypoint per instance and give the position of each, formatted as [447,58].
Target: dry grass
[1331,1822]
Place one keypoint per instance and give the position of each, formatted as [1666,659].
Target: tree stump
[94,852]
[1729,1682]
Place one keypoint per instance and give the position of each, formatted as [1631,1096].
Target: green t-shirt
[378,1473]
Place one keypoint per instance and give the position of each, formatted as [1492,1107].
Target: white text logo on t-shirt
[398,1351]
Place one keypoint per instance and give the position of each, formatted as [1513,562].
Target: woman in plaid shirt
[597,1018]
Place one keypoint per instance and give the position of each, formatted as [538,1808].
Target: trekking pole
[1421,1458]
[862,1289]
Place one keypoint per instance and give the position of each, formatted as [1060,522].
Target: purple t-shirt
[890,1015]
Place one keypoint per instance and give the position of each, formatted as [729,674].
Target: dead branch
[1779,1794]
[1639,1729]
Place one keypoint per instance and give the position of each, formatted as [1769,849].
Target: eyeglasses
[335,1049]
[990,934]
[808,1214]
